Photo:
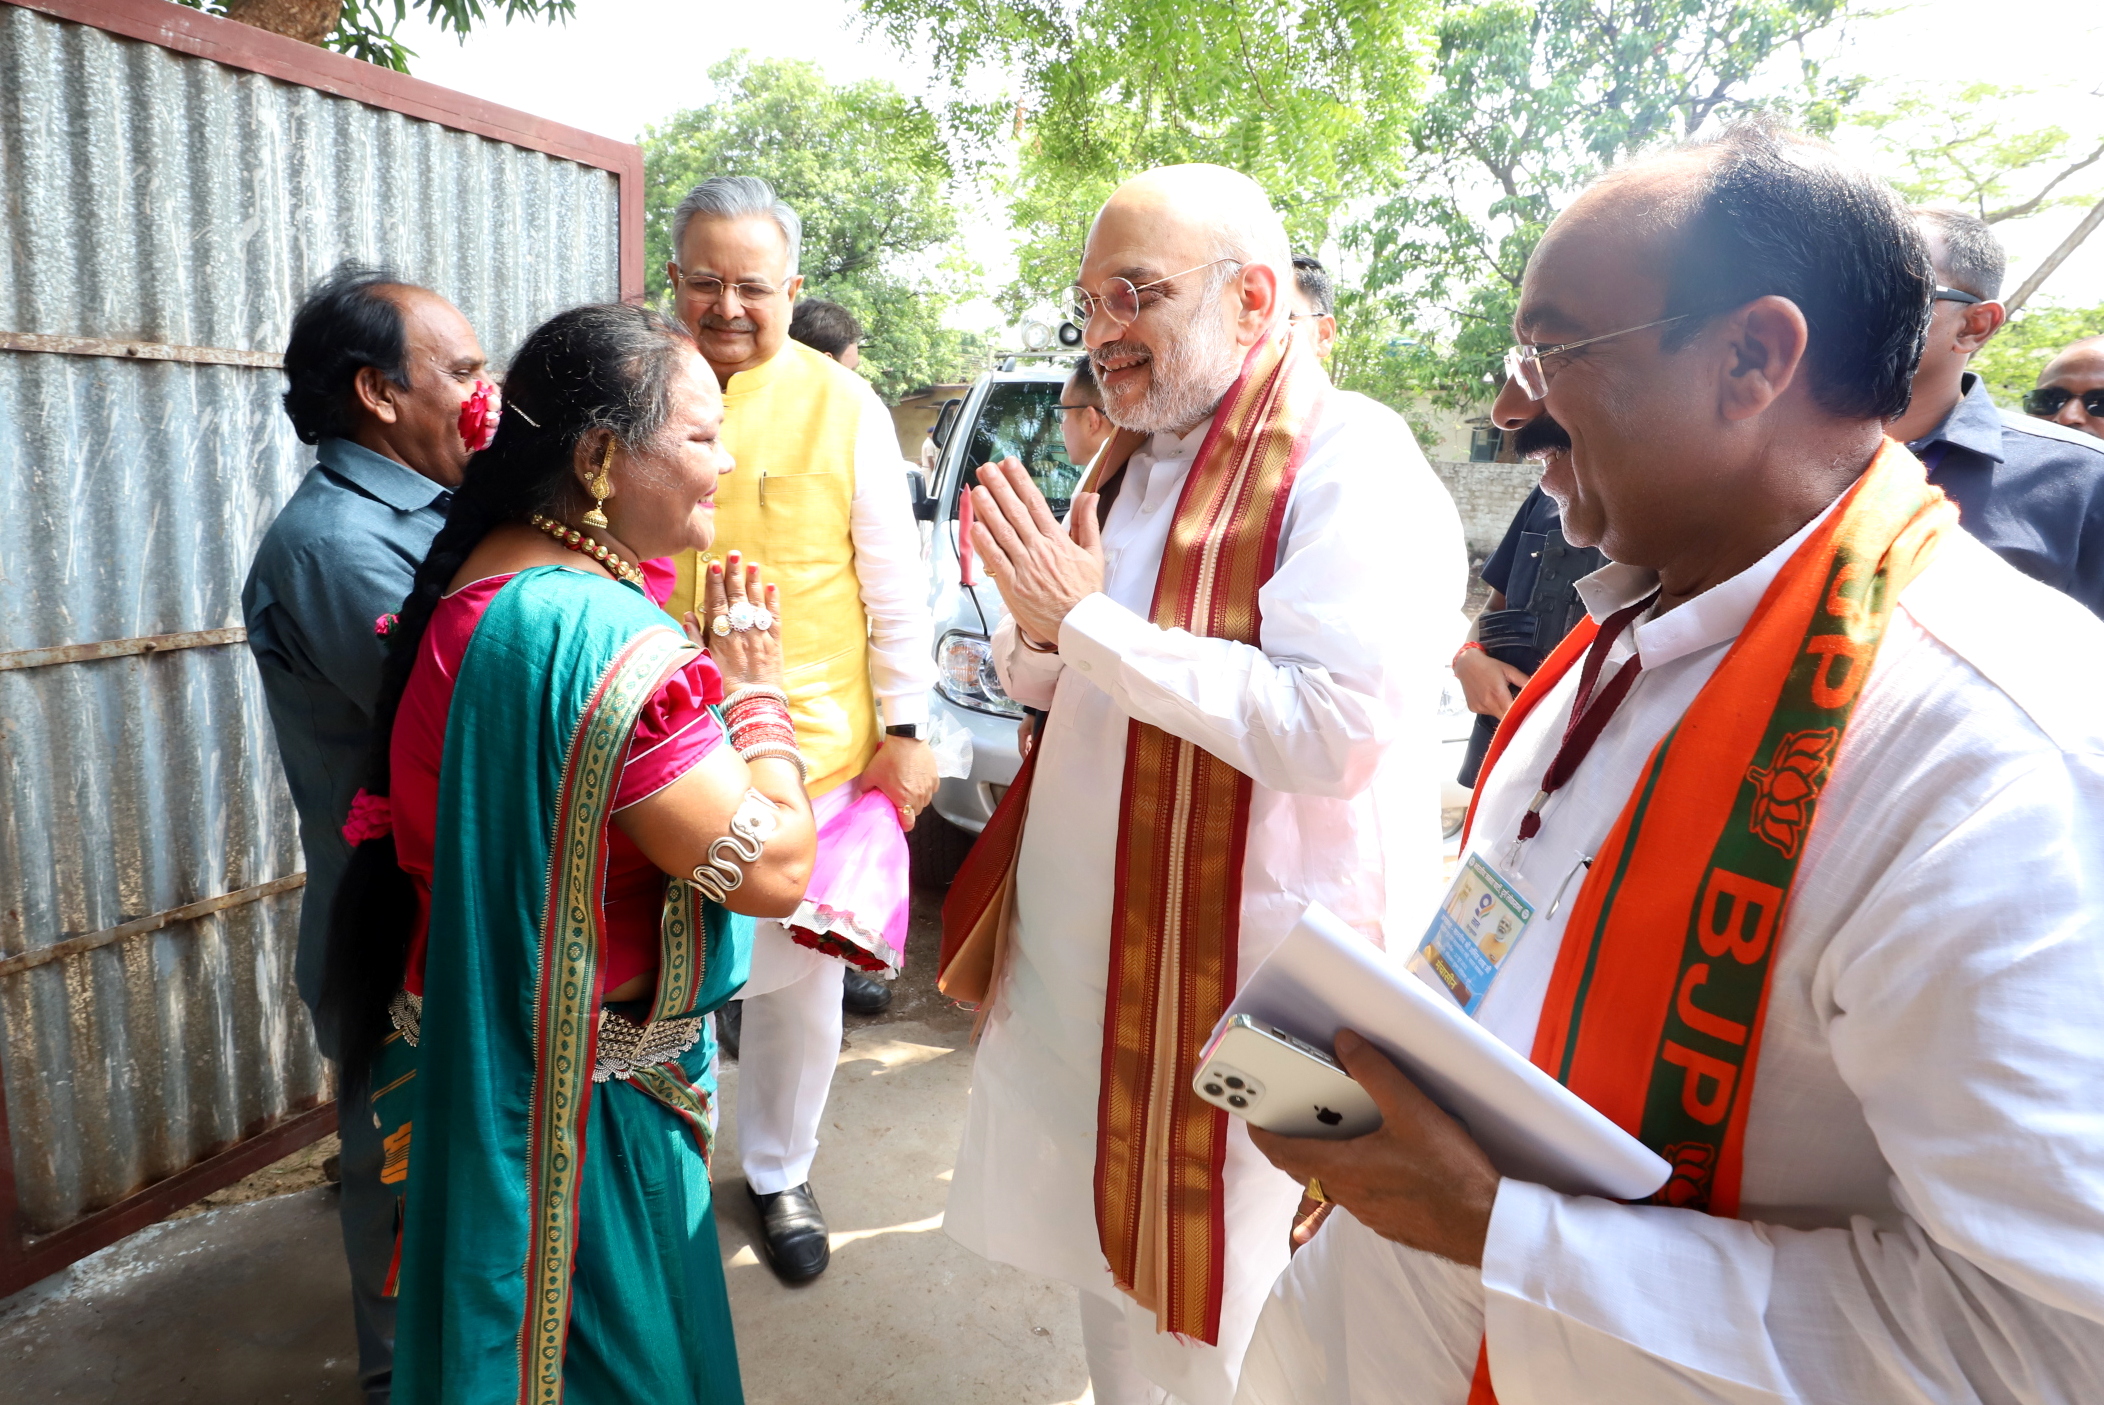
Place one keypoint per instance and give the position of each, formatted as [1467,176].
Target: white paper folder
[1325,977]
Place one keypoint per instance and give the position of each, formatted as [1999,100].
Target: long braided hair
[604,367]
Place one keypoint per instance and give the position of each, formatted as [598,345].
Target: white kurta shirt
[1923,1194]
[1332,718]
[892,572]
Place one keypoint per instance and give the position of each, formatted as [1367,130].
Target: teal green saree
[558,1239]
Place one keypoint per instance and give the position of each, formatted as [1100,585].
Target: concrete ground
[247,1302]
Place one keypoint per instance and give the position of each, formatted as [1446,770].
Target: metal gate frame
[25,1258]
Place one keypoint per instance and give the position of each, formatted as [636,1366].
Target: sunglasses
[2048,401]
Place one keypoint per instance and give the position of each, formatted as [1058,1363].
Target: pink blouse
[675,731]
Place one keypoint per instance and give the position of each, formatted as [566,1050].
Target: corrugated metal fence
[165,210]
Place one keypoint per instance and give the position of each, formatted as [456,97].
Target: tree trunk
[309,21]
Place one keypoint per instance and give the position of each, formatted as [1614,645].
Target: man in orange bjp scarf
[1811,844]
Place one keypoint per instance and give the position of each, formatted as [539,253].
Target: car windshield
[1021,418]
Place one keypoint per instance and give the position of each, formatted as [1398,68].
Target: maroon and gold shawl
[1182,829]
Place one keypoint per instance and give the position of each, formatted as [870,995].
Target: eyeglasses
[1523,362]
[1063,409]
[1120,298]
[711,289]
[2048,401]
[1958,295]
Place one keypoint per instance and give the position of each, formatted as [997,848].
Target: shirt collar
[1974,424]
[1714,617]
[1164,445]
[399,486]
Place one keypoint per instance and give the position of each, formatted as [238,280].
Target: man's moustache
[726,324]
[1540,437]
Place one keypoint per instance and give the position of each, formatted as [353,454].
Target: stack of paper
[1325,977]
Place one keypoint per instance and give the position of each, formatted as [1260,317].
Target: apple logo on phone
[1328,1118]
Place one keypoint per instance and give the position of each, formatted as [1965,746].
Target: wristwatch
[909,730]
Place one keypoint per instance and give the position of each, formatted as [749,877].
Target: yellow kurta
[791,425]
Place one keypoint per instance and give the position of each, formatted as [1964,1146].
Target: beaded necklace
[577,541]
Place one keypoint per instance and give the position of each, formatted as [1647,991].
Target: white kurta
[1923,1196]
[1333,720]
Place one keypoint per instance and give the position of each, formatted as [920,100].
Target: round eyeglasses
[1120,299]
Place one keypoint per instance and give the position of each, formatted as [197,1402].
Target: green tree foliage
[1428,142]
[1974,148]
[1310,97]
[1531,102]
[2011,362]
[868,170]
[366,29]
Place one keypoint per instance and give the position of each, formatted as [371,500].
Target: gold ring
[1313,1190]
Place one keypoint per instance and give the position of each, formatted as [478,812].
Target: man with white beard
[1239,647]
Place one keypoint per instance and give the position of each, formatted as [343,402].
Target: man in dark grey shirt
[378,373]
[2030,489]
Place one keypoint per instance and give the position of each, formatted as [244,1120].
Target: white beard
[1192,371]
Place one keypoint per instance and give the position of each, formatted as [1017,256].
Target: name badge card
[1473,932]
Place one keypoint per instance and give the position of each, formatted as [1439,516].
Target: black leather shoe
[794,1232]
[728,1023]
[863,995]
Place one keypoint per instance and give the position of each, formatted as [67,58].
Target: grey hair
[738,197]
[1972,257]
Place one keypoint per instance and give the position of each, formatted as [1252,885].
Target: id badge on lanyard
[1483,918]
[1488,908]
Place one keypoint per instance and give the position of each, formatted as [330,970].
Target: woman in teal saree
[560,856]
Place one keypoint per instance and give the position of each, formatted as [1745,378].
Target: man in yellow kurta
[820,500]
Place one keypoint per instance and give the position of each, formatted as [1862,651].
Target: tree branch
[2018,211]
[2068,246]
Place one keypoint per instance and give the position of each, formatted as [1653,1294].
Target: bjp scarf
[1655,1008]
[1183,827]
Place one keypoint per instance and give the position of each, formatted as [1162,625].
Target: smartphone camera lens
[1237,1100]
[1212,1090]
[1234,1082]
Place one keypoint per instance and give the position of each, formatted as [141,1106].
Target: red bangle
[1471,644]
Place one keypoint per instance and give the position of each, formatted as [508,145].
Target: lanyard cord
[1589,714]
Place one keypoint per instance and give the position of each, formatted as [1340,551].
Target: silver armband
[722,872]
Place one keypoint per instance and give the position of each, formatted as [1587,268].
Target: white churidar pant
[788,1047]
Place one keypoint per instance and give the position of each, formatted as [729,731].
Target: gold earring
[601,487]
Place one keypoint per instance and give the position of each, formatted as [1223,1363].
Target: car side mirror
[923,501]
[945,423]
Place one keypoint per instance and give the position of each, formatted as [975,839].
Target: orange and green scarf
[1655,1008]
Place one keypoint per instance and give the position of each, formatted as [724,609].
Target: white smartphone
[1282,1084]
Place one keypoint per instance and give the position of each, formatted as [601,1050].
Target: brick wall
[1487,494]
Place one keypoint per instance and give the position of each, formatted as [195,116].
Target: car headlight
[965,675]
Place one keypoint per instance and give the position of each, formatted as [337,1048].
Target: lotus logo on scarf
[1688,1187]
[1785,792]
[479,414]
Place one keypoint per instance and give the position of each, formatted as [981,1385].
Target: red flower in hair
[479,414]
